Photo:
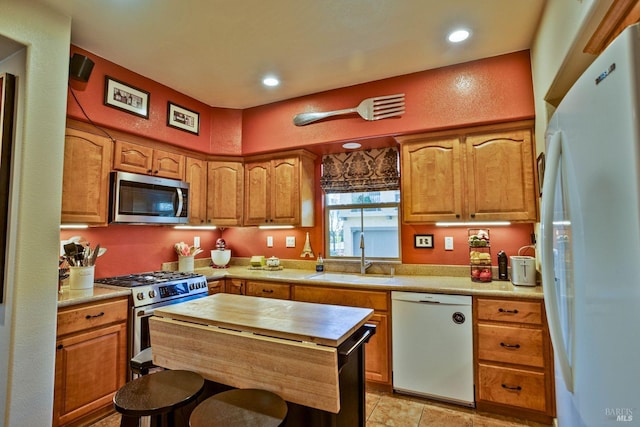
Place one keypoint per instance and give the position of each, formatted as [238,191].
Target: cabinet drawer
[83,317]
[510,345]
[367,299]
[215,286]
[268,290]
[515,387]
[510,311]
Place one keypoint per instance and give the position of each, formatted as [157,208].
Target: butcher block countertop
[323,324]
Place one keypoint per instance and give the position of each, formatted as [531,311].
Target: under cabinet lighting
[474,224]
[73,226]
[351,145]
[274,227]
[195,227]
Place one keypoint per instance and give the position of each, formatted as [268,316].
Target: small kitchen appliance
[145,199]
[221,256]
[523,270]
[152,290]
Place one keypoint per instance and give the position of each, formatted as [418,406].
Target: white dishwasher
[433,346]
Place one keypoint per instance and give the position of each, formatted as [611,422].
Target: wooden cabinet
[268,289]
[130,157]
[91,360]
[235,286]
[216,192]
[225,193]
[476,174]
[85,181]
[215,286]
[378,349]
[514,360]
[196,176]
[279,190]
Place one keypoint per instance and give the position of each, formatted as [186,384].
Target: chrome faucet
[363,264]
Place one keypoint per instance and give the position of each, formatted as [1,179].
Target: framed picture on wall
[7,108]
[125,97]
[182,118]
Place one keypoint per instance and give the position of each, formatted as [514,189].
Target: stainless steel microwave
[144,199]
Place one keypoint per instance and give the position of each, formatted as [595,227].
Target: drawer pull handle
[510,387]
[509,345]
[93,316]
[267,291]
[502,310]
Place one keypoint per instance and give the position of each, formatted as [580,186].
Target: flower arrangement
[182,249]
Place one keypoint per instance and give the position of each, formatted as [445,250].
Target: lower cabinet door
[377,364]
[90,368]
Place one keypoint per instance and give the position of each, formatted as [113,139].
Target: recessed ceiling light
[351,145]
[270,81]
[458,36]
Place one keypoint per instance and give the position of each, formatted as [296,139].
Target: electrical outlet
[291,241]
[196,242]
[269,241]
[448,243]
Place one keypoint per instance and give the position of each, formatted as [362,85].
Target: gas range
[158,286]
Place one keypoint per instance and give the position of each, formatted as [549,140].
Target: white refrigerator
[590,241]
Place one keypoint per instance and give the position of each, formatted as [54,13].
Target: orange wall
[220,128]
[497,89]
[491,90]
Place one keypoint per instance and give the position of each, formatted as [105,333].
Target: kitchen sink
[348,278]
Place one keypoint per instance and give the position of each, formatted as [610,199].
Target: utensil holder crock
[185,263]
[81,277]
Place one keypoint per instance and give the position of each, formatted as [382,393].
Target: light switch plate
[291,241]
[269,241]
[448,243]
[196,242]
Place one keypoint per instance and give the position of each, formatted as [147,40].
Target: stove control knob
[191,286]
[140,296]
[152,293]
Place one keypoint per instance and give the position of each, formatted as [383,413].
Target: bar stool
[158,395]
[240,407]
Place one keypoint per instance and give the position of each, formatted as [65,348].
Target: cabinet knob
[457,215]
[59,347]
[149,171]
[472,215]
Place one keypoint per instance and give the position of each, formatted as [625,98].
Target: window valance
[375,169]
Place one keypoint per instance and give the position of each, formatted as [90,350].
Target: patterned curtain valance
[367,170]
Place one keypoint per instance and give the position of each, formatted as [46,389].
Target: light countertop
[69,296]
[409,283]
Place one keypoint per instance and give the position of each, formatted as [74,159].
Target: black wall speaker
[80,67]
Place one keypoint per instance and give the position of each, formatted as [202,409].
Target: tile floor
[386,409]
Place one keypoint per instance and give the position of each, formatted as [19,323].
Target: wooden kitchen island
[310,354]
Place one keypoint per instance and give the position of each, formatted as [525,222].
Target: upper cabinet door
[196,176]
[130,157]
[285,191]
[257,201]
[500,176]
[431,180]
[477,174]
[225,193]
[85,182]
[168,165]
[133,158]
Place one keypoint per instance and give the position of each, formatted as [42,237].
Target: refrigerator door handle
[548,277]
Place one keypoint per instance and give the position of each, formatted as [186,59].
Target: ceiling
[218,51]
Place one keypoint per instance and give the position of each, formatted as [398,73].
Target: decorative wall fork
[380,107]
